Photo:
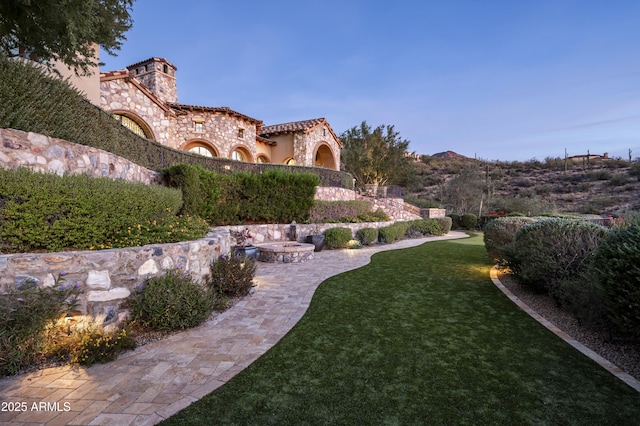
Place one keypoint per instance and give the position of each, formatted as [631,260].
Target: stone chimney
[159,76]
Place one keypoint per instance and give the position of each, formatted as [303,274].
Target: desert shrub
[551,250]
[426,226]
[445,224]
[95,345]
[500,232]
[49,212]
[230,276]
[377,216]
[618,271]
[456,222]
[581,296]
[337,237]
[391,233]
[170,302]
[275,196]
[367,236]
[25,314]
[469,221]
[333,211]
[531,206]
[388,234]
[598,175]
[618,180]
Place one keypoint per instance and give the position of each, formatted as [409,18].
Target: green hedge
[333,211]
[337,237]
[275,196]
[550,251]
[49,212]
[617,264]
[33,102]
[500,232]
[445,224]
[392,233]
[367,236]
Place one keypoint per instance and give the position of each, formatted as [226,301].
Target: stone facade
[119,94]
[50,155]
[220,132]
[107,277]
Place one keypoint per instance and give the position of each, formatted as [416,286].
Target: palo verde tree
[63,30]
[375,156]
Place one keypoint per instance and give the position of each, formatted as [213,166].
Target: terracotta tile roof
[266,141]
[223,110]
[298,126]
[295,126]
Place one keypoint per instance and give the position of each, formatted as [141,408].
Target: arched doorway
[201,147]
[134,123]
[323,157]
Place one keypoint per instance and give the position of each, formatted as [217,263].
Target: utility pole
[565,161]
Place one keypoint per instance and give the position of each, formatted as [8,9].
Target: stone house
[144,98]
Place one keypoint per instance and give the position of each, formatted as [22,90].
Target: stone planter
[249,251]
[317,241]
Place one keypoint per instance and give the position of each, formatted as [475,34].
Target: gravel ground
[623,355]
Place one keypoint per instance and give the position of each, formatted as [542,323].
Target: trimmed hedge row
[275,196]
[34,102]
[48,212]
[327,211]
[590,271]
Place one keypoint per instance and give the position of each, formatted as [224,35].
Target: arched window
[290,161]
[201,147]
[262,159]
[240,153]
[202,151]
[133,125]
[237,155]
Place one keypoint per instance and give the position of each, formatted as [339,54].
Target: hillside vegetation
[602,186]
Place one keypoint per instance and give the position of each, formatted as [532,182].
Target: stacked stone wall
[108,277]
[334,194]
[50,155]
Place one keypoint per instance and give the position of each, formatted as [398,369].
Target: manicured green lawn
[419,336]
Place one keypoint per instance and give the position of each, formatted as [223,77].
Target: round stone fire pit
[285,252]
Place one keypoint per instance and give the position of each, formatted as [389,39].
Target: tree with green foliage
[64,30]
[375,156]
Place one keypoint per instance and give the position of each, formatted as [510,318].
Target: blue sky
[498,80]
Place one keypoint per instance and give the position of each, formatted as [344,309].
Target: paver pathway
[144,386]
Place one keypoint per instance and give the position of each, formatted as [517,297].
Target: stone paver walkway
[144,386]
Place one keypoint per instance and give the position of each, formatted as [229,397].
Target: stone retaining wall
[107,277]
[335,194]
[50,155]
[282,232]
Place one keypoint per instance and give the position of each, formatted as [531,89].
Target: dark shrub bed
[46,212]
[275,196]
